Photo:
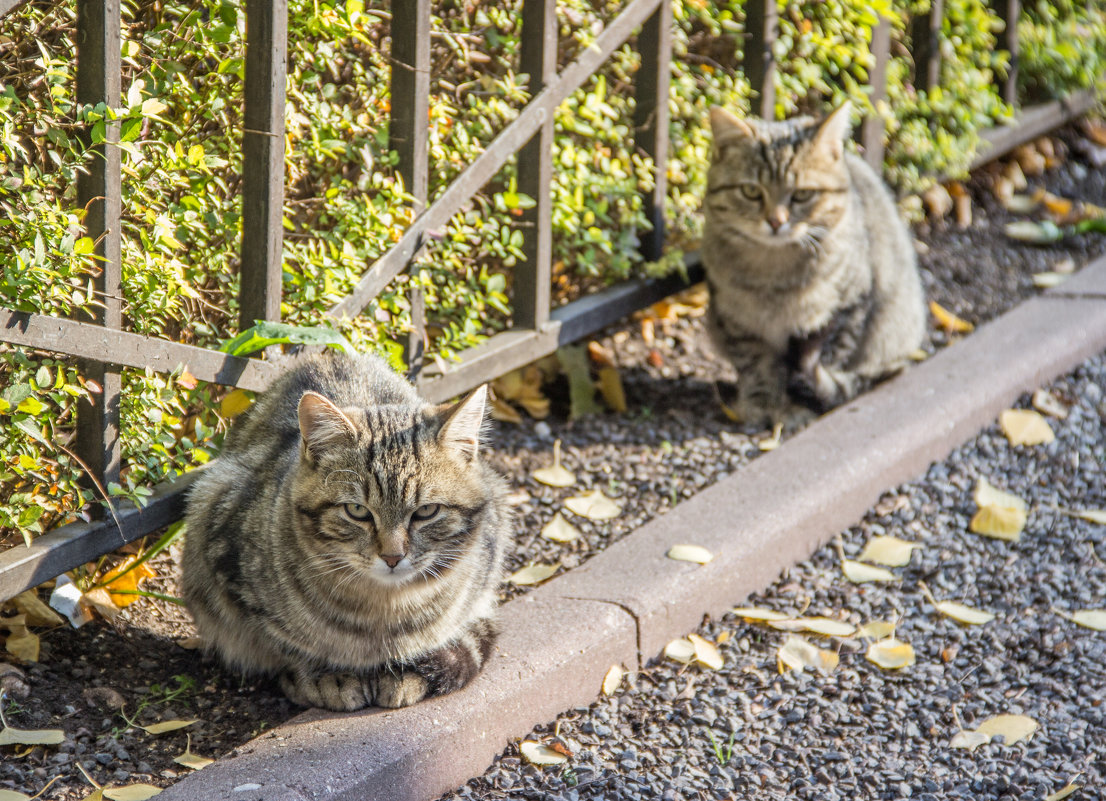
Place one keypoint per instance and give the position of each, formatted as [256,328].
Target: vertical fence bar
[761,31]
[99,193]
[532,277]
[409,119]
[651,118]
[1009,11]
[263,160]
[871,131]
[925,36]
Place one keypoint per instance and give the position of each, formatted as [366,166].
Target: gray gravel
[862,732]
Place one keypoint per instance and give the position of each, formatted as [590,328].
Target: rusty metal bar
[925,37]
[651,119]
[871,130]
[103,345]
[533,277]
[263,161]
[762,28]
[1009,11]
[99,193]
[497,153]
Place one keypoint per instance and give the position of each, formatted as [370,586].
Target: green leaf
[27,425]
[32,406]
[268,333]
[30,515]
[16,394]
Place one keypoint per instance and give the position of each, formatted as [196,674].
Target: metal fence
[103,348]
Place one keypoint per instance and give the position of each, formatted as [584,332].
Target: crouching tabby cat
[812,274]
[349,539]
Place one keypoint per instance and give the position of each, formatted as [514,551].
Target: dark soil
[673,441]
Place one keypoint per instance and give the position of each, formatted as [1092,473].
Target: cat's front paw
[833,387]
[340,692]
[393,691]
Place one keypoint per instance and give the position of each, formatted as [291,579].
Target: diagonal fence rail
[104,348]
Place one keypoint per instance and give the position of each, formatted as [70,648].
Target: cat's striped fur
[349,539]
[813,279]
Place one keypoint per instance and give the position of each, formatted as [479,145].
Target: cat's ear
[834,130]
[323,425]
[462,423]
[723,123]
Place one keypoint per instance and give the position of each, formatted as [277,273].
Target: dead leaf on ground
[964,614]
[1047,403]
[123,581]
[1064,792]
[166,726]
[890,654]
[1049,279]
[797,654]
[1090,515]
[100,599]
[593,505]
[969,739]
[610,387]
[560,530]
[690,553]
[1088,618]
[10,736]
[539,754]
[504,412]
[234,403]
[706,653]
[533,574]
[132,792]
[613,679]
[773,441]
[949,321]
[890,551]
[556,475]
[1001,515]
[826,626]
[1025,427]
[858,572]
[37,613]
[190,760]
[876,629]
[23,644]
[759,613]
[1014,728]
[680,650]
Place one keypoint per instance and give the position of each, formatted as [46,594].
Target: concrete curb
[627,602]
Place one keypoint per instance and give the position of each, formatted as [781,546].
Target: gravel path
[860,731]
[672,442]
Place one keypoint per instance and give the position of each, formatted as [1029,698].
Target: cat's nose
[777,218]
[392,560]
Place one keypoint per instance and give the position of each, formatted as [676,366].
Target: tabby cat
[349,538]
[814,287]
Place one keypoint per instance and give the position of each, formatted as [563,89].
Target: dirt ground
[672,441]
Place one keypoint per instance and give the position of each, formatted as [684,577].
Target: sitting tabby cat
[812,274]
[349,538]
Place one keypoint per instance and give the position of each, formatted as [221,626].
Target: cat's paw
[795,418]
[393,691]
[340,692]
[833,387]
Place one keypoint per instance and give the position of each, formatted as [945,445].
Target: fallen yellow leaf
[998,522]
[613,679]
[890,654]
[504,412]
[168,726]
[706,654]
[1047,403]
[610,387]
[234,403]
[593,505]
[1090,515]
[987,495]
[560,530]
[36,612]
[132,792]
[825,626]
[690,553]
[890,551]
[1014,728]
[23,643]
[128,578]
[964,614]
[555,476]
[1049,279]
[190,760]
[969,739]
[797,654]
[949,321]
[858,573]
[876,629]
[759,613]
[772,442]
[1025,427]
[680,650]
[1089,619]
[1064,792]
[10,736]
[533,574]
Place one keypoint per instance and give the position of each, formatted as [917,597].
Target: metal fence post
[263,161]
[651,118]
[99,194]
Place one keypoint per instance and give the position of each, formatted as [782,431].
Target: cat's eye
[750,191]
[802,195]
[427,511]
[357,511]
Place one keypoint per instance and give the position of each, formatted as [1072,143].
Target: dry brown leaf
[759,613]
[706,653]
[797,654]
[963,205]
[858,573]
[556,475]
[560,530]
[1047,403]
[890,551]
[10,736]
[680,650]
[504,412]
[964,614]
[1090,515]
[593,505]
[1014,728]
[1025,427]
[1089,619]
[949,321]
[100,600]
[876,629]
[1064,792]
[132,792]
[826,626]
[600,355]
[168,725]
[890,654]
[613,679]
[1056,205]
[23,644]
[610,387]
[938,201]
[190,760]
[533,574]
[690,553]
[539,754]
[37,613]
